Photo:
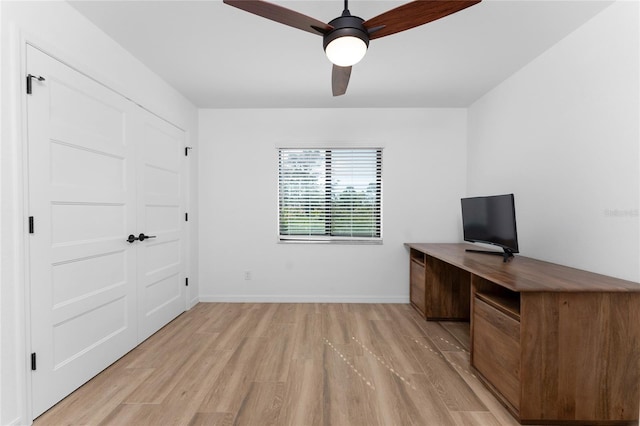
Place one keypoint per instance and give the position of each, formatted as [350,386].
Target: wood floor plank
[388,343]
[460,361]
[212,419]
[394,405]
[220,318]
[147,415]
[303,396]
[460,331]
[335,325]
[154,352]
[445,379]
[347,398]
[306,309]
[194,385]
[261,404]
[308,337]
[290,364]
[262,321]
[165,376]
[277,353]
[234,331]
[404,394]
[442,338]
[227,392]
[285,313]
[405,319]
[370,311]
[432,410]
[105,393]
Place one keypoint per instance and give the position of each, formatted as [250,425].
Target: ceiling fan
[346,38]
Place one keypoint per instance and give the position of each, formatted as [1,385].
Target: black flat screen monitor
[491,220]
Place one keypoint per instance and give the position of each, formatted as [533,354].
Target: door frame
[15,194]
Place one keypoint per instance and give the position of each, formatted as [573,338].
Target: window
[330,194]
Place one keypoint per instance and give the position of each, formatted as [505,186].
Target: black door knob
[131,238]
[143,237]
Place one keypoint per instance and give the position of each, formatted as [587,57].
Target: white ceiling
[221,57]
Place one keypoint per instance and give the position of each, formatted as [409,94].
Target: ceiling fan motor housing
[346,25]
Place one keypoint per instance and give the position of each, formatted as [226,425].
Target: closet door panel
[161,260]
[82,196]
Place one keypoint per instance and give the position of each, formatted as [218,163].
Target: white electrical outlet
[247,275]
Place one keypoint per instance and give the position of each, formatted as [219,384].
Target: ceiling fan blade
[340,80]
[412,15]
[282,15]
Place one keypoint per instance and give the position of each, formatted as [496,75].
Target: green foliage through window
[330,194]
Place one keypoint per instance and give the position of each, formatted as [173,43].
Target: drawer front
[496,350]
[417,286]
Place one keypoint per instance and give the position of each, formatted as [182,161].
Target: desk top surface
[524,274]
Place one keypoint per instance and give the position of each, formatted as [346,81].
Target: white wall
[58,29]
[423,179]
[563,135]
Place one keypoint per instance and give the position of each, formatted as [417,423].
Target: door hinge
[186,217]
[29,84]
[186,150]
[186,282]
[31,231]
[33,361]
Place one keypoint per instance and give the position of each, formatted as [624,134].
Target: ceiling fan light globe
[346,51]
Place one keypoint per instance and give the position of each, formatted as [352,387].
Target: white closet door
[100,168]
[82,195]
[161,263]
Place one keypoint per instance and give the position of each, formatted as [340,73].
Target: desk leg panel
[448,291]
[580,356]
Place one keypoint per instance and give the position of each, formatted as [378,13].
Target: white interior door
[100,168]
[82,195]
[161,263]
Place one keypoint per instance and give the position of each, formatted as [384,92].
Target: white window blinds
[330,194]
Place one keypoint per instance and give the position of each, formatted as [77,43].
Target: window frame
[331,239]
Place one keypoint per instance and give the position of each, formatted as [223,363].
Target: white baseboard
[259,298]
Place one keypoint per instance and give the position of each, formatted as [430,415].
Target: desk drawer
[496,350]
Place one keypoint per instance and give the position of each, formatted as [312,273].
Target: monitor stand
[506,255]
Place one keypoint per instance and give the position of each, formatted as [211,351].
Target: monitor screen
[490,220]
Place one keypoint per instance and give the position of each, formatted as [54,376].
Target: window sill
[333,242]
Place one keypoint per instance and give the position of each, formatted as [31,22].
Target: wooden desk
[554,344]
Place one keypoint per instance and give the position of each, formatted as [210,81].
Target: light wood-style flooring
[290,364]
